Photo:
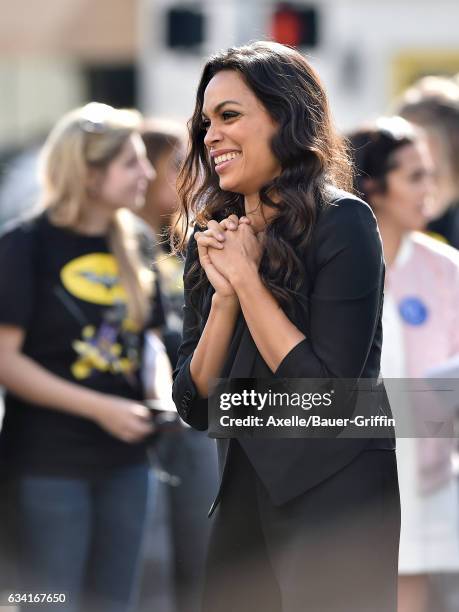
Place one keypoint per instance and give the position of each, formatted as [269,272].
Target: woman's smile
[223,159]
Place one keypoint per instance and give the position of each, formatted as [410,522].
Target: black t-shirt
[63,289]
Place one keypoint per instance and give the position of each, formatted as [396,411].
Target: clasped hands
[230,253]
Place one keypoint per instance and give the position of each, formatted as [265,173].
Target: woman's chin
[136,203]
[226,184]
[417,226]
[228,181]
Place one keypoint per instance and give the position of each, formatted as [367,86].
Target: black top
[63,289]
[340,315]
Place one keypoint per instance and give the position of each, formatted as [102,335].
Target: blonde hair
[92,136]
[433,103]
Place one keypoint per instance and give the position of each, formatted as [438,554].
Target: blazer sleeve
[191,407]
[346,299]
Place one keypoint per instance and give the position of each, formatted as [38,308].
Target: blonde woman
[75,301]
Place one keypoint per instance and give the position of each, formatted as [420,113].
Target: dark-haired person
[394,172]
[285,282]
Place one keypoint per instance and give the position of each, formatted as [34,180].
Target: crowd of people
[104,491]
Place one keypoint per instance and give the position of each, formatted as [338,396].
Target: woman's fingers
[214,235]
[214,229]
[211,238]
[227,225]
[230,222]
[207,240]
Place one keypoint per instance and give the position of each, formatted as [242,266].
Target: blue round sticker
[413,311]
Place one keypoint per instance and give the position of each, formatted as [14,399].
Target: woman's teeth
[225,157]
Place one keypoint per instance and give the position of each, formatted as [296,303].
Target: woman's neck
[94,220]
[392,237]
[258,214]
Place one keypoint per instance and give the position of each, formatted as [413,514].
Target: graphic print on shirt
[413,311]
[94,278]
[113,346]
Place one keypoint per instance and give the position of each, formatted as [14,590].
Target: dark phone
[164,417]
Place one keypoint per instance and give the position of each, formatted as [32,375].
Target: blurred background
[56,55]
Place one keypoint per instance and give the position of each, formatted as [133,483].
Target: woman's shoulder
[346,232]
[431,248]
[339,205]
[21,242]
[343,216]
[24,229]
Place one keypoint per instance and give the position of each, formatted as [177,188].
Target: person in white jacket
[421,330]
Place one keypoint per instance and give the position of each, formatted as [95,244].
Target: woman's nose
[149,170]
[212,136]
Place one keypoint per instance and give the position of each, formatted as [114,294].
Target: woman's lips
[224,164]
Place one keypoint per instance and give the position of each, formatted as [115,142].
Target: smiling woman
[238,135]
[284,279]
[240,106]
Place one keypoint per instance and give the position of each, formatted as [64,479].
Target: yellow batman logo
[94,278]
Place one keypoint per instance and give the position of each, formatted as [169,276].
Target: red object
[286,26]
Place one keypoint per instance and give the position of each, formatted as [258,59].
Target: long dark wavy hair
[311,154]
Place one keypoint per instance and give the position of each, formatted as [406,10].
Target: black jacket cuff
[191,408]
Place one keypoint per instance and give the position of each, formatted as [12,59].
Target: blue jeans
[83,537]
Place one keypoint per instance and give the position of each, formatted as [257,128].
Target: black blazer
[341,319]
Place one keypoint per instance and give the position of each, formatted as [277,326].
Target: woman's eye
[229,115]
[226,116]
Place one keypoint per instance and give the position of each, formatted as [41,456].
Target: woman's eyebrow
[221,105]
